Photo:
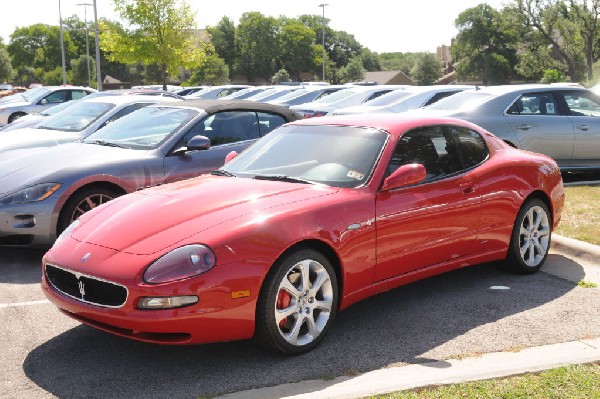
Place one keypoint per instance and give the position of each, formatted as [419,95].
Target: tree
[554,23]
[213,72]
[399,61]
[370,60]
[258,45]
[281,76]
[222,38]
[587,14]
[161,33]
[298,49]
[79,71]
[5,66]
[485,47]
[427,70]
[353,72]
[38,46]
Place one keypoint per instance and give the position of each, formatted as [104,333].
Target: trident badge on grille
[81,288]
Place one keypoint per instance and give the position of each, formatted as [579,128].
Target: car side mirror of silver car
[405,175]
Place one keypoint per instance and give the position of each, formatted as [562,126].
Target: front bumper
[31,224]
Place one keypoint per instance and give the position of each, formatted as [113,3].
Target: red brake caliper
[283,301]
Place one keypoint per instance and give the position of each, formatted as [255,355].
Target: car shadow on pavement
[473,310]
[20,265]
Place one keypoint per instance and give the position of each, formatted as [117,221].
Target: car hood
[14,103]
[25,167]
[30,137]
[151,220]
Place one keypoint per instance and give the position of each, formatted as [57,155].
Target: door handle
[524,126]
[467,188]
[583,127]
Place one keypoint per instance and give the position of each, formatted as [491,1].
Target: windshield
[56,108]
[463,101]
[78,117]
[338,156]
[36,93]
[388,98]
[337,96]
[244,93]
[144,129]
[292,94]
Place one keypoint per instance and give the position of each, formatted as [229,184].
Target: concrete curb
[586,258]
[492,365]
[579,249]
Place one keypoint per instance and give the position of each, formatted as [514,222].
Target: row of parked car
[166,135]
[299,212]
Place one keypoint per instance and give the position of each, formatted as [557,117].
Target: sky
[379,25]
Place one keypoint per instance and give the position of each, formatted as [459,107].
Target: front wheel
[297,303]
[82,202]
[530,240]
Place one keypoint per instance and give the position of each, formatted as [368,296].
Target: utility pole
[323,5]
[98,73]
[87,41]
[62,46]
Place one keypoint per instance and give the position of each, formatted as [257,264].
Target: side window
[268,122]
[77,94]
[582,103]
[231,126]
[534,104]
[473,147]
[438,96]
[57,97]
[376,94]
[433,147]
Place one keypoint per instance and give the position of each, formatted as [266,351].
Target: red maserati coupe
[317,215]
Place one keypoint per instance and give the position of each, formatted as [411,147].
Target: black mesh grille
[86,288]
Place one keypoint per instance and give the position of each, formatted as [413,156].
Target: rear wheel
[297,303]
[82,202]
[530,240]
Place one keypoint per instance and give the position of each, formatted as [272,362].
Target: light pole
[62,46]
[87,41]
[98,73]
[323,5]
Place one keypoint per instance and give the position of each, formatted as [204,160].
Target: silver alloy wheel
[534,236]
[89,203]
[303,302]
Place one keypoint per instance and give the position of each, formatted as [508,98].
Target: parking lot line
[29,303]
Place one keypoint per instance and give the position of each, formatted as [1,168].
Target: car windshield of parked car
[55,109]
[33,95]
[387,98]
[463,101]
[78,117]
[337,96]
[338,156]
[144,129]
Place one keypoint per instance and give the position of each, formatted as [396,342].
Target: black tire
[530,239]
[82,201]
[15,116]
[306,306]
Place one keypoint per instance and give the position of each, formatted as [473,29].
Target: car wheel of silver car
[530,240]
[15,116]
[297,303]
[82,202]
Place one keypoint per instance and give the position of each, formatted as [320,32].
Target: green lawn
[581,215]
[571,382]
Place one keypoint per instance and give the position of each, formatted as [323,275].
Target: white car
[353,95]
[38,99]
[412,97]
[215,92]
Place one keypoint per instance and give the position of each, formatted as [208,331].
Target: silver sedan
[558,120]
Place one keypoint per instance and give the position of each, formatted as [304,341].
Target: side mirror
[230,156]
[43,101]
[198,143]
[405,175]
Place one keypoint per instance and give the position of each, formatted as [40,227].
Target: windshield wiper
[283,178]
[106,143]
[220,172]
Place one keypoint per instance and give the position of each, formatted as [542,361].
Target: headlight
[30,194]
[180,263]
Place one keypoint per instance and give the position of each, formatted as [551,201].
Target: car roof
[212,106]
[120,99]
[505,89]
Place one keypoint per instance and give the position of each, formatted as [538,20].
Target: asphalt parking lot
[46,354]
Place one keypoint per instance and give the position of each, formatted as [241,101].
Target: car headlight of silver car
[180,263]
[38,192]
